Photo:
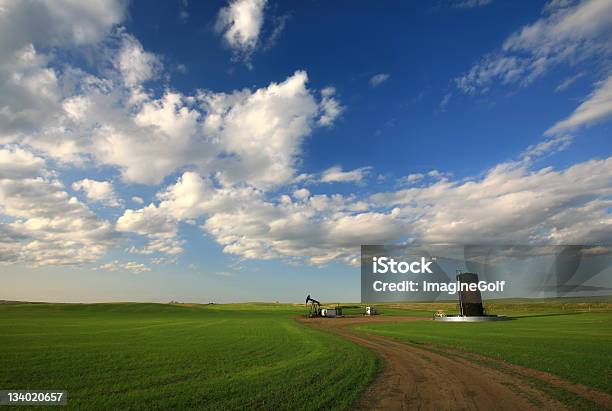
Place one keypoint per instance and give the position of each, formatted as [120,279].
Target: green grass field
[159,356]
[154,356]
[574,345]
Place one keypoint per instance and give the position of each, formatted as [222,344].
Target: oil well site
[470,304]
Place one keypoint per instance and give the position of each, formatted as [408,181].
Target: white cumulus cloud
[16,163]
[100,191]
[135,64]
[240,23]
[336,175]
[42,222]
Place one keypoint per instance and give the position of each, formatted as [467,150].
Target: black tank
[470,301]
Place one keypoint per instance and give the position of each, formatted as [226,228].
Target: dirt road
[420,379]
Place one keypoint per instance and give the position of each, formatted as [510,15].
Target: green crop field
[160,356]
[576,345]
[156,356]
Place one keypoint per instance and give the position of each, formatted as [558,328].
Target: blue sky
[243,150]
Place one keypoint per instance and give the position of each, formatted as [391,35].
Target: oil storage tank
[469,301]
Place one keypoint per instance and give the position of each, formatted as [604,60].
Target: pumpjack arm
[315,306]
[312,300]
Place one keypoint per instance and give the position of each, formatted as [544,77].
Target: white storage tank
[328,312]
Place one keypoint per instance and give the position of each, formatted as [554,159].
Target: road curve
[419,379]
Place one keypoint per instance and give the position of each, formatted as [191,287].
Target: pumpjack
[315,307]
